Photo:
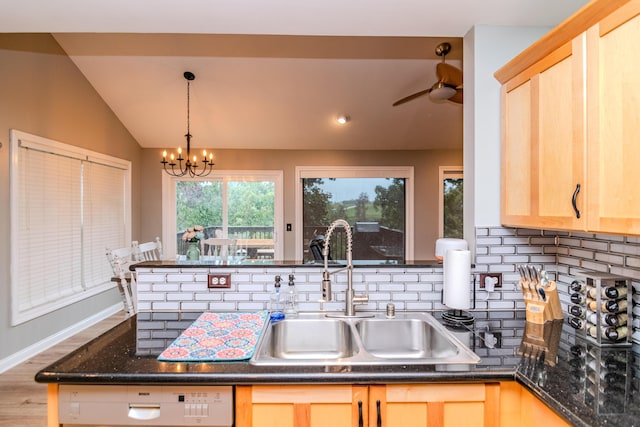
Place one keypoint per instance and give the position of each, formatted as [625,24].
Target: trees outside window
[450,200]
[232,204]
[373,206]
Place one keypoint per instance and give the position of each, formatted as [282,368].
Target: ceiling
[274,74]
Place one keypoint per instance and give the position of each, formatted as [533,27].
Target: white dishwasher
[139,405]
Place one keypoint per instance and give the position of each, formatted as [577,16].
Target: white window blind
[68,205]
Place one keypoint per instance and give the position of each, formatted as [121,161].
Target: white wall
[486,49]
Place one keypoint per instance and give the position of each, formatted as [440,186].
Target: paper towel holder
[456,316]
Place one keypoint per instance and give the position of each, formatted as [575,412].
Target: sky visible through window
[350,188]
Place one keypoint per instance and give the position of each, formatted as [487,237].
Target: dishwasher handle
[141,411]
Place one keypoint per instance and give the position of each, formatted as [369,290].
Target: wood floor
[23,402]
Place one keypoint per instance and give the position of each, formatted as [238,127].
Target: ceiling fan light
[441,91]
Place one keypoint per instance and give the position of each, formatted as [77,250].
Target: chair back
[148,251]
[218,247]
[126,285]
[120,260]
[124,256]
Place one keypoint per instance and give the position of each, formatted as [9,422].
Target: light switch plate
[219,281]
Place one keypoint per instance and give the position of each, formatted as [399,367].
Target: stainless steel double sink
[316,339]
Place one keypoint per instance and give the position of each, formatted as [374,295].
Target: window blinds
[68,206]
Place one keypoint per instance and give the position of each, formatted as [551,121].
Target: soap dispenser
[276,302]
[291,299]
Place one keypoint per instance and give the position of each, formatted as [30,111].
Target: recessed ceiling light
[343,119]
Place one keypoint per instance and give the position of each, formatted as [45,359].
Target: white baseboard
[28,352]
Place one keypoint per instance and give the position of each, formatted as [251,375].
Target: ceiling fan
[449,84]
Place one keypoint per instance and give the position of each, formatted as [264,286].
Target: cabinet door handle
[360,420]
[573,200]
[379,422]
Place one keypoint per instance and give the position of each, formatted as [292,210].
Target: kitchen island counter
[559,375]
[212,262]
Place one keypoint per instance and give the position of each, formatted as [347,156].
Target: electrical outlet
[491,339]
[487,277]
[219,281]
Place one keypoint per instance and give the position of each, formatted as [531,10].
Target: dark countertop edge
[285,264]
[276,378]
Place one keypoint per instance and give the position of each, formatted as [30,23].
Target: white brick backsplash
[378,278]
[405,278]
[187,306]
[407,296]
[194,287]
[180,277]
[596,245]
[173,306]
[208,297]
[223,306]
[179,297]
[151,296]
[163,287]
[498,250]
[574,251]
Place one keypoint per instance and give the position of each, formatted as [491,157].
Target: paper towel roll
[457,279]
[443,245]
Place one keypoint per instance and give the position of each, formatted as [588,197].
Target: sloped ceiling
[274,74]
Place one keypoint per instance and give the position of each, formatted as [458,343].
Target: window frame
[406,172]
[169,204]
[445,172]
[68,295]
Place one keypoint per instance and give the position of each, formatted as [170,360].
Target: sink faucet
[351,298]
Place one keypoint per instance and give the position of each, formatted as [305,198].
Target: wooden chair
[148,251]
[120,260]
[219,248]
[126,285]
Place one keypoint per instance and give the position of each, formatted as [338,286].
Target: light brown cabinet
[446,405]
[301,406]
[570,127]
[520,408]
[393,405]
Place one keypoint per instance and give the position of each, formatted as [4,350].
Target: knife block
[540,310]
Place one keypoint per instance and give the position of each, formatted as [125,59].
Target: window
[450,201]
[67,206]
[235,204]
[376,201]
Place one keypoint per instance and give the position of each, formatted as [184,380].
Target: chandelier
[190,166]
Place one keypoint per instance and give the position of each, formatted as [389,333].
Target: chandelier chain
[190,166]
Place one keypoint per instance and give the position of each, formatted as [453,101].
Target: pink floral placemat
[215,337]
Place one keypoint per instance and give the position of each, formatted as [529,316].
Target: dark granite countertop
[588,385]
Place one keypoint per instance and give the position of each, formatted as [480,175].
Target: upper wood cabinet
[570,125]
[613,122]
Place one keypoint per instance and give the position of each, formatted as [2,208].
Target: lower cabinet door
[447,405]
[301,406]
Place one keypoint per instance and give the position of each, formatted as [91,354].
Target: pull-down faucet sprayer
[351,298]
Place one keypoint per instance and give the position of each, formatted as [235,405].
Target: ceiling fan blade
[412,96]
[457,98]
[449,74]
